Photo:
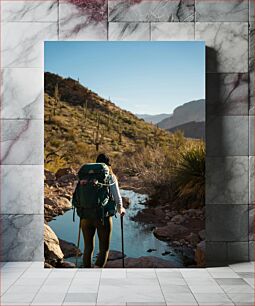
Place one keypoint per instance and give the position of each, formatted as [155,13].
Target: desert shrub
[55,163]
[189,173]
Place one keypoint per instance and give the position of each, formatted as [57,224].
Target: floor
[27,283]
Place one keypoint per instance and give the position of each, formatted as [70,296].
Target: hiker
[98,218]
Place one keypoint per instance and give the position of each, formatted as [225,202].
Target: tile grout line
[69,286]
[155,270]
[40,287]
[15,280]
[98,286]
[189,287]
[223,288]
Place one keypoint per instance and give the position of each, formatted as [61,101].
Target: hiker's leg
[104,232]
[88,230]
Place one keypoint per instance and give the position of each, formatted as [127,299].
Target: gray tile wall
[228,30]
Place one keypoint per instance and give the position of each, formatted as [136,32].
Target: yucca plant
[189,173]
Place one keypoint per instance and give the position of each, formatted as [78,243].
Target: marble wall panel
[227,180]
[172,31]
[80,20]
[22,93]
[21,189]
[151,10]
[22,43]
[21,237]
[234,10]
[129,31]
[29,11]
[226,94]
[227,223]
[227,135]
[21,142]
[229,44]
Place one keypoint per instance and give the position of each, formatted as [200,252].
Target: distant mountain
[153,118]
[191,129]
[188,112]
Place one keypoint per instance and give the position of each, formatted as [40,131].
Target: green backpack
[92,198]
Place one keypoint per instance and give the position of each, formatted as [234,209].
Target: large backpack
[92,198]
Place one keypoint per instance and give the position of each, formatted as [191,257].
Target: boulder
[64,171]
[188,255]
[200,254]
[192,238]
[159,212]
[171,214]
[202,234]
[67,179]
[48,266]
[49,177]
[126,202]
[63,204]
[69,249]
[67,264]
[151,250]
[49,202]
[52,248]
[171,231]
[142,262]
[178,219]
[115,255]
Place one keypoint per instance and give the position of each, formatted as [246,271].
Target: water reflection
[138,238]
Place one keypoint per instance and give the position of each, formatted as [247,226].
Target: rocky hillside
[79,123]
[191,129]
[188,112]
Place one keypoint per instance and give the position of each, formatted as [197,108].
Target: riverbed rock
[67,264]
[69,249]
[63,204]
[67,179]
[126,202]
[49,177]
[159,212]
[52,248]
[171,231]
[115,255]
[145,216]
[194,213]
[142,262]
[178,219]
[64,171]
[202,234]
[151,250]
[200,254]
[48,266]
[188,255]
[171,214]
[192,238]
[49,202]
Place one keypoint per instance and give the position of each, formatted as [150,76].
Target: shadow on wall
[212,138]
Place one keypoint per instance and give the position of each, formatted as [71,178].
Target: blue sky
[142,77]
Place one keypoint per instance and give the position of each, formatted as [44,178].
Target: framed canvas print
[124,135]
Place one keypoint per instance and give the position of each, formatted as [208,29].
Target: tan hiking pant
[104,231]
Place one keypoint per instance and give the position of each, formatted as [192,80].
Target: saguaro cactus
[85,110]
[97,137]
[56,99]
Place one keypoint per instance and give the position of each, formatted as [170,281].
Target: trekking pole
[122,241]
[78,243]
